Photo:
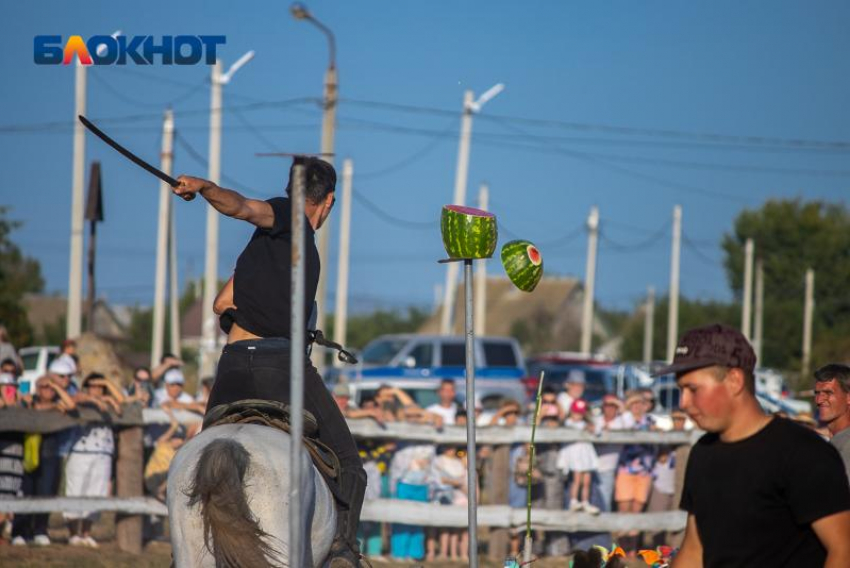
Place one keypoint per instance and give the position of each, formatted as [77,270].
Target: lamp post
[300,12]
[208,326]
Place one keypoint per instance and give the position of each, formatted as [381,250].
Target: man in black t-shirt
[759,491]
[255,310]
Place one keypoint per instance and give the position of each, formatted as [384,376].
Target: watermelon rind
[468,232]
[518,264]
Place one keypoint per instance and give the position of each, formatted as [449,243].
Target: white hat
[7,379]
[63,365]
[174,377]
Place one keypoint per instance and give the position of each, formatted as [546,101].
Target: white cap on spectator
[7,379]
[62,366]
[174,377]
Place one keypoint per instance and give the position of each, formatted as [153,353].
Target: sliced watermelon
[468,232]
[523,264]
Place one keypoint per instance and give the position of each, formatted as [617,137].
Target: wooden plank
[128,529]
[497,489]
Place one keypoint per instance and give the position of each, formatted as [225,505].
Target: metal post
[649,325]
[341,315]
[758,335]
[73,325]
[162,242]
[208,319]
[589,281]
[173,288]
[472,474]
[673,296]
[481,273]
[91,264]
[461,175]
[746,304]
[296,369]
[328,130]
[808,310]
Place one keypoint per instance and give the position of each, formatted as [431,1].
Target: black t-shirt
[754,500]
[262,280]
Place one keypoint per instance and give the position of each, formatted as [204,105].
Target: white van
[36,361]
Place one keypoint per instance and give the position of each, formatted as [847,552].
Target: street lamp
[208,327]
[300,12]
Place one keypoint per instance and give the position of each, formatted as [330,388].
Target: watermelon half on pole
[468,232]
[523,264]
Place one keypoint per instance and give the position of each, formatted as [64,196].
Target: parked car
[36,360]
[601,375]
[417,356]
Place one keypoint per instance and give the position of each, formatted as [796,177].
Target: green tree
[19,275]
[692,313]
[791,236]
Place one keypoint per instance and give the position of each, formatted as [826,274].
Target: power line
[104,84]
[195,155]
[421,153]
[392,219]
[640,245]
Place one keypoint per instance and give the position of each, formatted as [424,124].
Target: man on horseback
[254,309]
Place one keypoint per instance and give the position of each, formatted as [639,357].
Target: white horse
[228,501]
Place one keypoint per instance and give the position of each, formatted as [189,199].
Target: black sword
[127,153]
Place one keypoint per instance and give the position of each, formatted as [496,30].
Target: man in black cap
[759,490]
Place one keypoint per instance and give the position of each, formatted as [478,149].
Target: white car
[36,360]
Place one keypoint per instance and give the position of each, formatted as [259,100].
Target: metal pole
[162,243]
[481,273]
[649,325]
[173,291]
[208,323]
[341,316]
[461,175]
[673,299]
[328,130]
[758,335]
[92,252]
[296,369]
[589,280]
[808,310]
[746,307]
[73,325]
[472,477]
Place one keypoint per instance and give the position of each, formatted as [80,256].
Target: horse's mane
[218,486]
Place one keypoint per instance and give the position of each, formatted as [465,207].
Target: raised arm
[226,201]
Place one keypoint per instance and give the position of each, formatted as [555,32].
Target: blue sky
[621,97]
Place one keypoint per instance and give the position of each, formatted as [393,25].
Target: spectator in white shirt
[573,390]
[447,407]
[173,396]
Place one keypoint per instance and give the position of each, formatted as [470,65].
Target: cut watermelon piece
[468,232]
[523,264]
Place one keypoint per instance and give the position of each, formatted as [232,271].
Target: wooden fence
[131,505]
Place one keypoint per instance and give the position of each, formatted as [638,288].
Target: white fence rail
[393,511]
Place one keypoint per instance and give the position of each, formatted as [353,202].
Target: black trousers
[43,482]
[259,368]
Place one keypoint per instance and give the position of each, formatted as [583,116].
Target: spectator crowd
[582,476]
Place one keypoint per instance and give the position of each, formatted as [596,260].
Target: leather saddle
[277,415]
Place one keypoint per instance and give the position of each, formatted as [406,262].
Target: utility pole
[162,241]
[94,215]
[648,325]
[341,316]
[746,308]
[808,310]
[209,329]
[589,280]
[173,292]
[480,311]
[673,300]
[470,107]
[459,199]
[73,325]
[758,335]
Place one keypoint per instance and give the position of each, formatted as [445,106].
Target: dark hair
[447,382]
[8,361]
[840,373]
[92,377]
[166,355]
[319,178]
[461,414]
[548,390]
[588,558]
[145,369]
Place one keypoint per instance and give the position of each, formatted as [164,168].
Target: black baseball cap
[715,344]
